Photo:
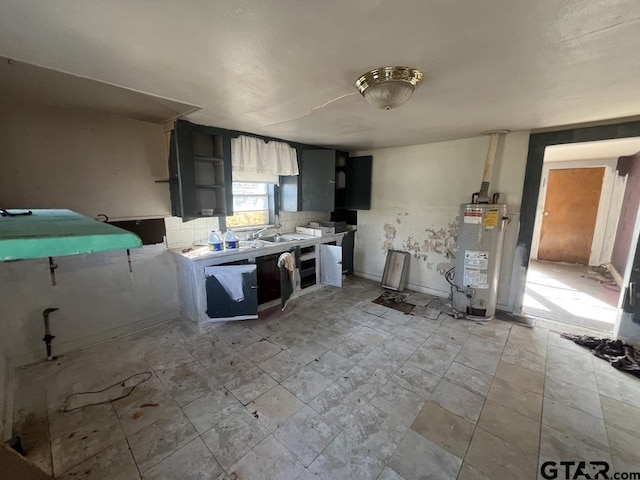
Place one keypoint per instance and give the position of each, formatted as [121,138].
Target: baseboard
[411,286]
[60,348]
[615,274]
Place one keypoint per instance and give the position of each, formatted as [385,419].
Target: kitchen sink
[278,239]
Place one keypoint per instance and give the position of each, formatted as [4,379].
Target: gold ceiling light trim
[389,87]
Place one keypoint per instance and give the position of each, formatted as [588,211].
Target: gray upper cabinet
[317,175]
[314,188]
[200,172]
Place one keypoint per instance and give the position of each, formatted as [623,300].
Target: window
[252,204]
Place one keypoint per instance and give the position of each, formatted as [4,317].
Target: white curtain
[253,159]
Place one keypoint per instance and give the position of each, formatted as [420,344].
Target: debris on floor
[395,301]
[601,274]
[619,354]
[420,304]
[111,393]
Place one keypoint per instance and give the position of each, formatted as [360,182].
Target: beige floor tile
[269,460]
[514,428]
[417,458]
[306,383]
[84,441]
[451,432]
[398,402]
[573,396]
[623,424]
[435,356]
[115,462]
[281,366]
[469,472]
[560,446]
[580,425]
[390,474]
[275,407]
[306,434]
[344,458]
[331,365]
[416,380]
[458,400]
[261,350]
[157,441]
[517,354]
[523,377]
[211,409]
[496,459]
[192,462]
[250,385]
[374,430]
[469,378]
[517,398]
[233,437]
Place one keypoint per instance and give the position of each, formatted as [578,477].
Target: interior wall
[89,162]
[5,391]
[608,209]
[416,196]
[98,298]
[628,166]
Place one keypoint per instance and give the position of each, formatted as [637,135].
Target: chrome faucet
[256,234]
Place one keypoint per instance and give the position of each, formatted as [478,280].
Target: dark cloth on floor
[619,354]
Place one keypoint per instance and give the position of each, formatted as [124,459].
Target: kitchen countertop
[246,252]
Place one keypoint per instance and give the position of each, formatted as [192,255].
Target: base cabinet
[232,292]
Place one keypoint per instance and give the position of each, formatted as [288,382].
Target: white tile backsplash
[291,220]
[184,234]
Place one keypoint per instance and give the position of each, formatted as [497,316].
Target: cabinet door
[200,171]
[331,265]
[358,183]
[184,164]
[347,253]
[232,292]
[318,180]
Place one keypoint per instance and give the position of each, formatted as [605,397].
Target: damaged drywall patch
[389,232]
[438,241]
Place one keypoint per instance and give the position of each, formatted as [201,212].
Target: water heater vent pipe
[483,195]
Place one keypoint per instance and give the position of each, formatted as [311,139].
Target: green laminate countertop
[54,233]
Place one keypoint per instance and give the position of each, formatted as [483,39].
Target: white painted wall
[92,163]
[85,161]
[97,296]
[416,196]
[608,207]
[5,394]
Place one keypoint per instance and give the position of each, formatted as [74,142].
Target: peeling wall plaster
[416,197]
[434,244]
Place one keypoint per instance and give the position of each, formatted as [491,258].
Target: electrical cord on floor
[449,277]
[128,389]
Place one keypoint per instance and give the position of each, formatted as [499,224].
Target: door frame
[538,142]
[603,203]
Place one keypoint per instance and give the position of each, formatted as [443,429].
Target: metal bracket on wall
[52,270]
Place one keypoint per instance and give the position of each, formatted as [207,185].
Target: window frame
[272,205]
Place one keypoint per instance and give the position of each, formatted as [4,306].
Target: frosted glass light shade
[389,87]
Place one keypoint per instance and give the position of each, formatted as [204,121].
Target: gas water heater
[479,248]
[478,255]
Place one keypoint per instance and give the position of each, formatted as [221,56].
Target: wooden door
[569,216]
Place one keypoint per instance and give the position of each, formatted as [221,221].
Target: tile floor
[336,388]
[572,294]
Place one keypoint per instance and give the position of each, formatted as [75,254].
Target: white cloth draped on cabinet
[253,157]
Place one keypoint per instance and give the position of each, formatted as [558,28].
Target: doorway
[560,268]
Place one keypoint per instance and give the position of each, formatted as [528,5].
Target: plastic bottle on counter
[215,242]
[230,240]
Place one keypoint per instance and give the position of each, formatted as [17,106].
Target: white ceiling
[603,149]
[24,82]
[274,67]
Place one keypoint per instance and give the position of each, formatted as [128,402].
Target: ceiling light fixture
[389,87]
